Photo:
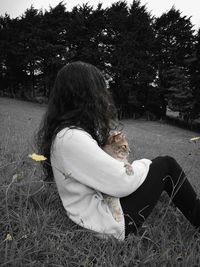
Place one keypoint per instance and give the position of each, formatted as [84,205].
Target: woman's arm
[90,165]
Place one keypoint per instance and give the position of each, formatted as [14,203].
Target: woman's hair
[79,99]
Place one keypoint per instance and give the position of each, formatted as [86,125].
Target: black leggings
[164,174]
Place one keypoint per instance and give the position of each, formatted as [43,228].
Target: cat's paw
[129,169]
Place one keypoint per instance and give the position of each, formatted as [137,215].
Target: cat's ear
[112,137]
[118,137]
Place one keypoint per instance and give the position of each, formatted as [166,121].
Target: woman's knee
[166,159]
[172,162]
[169,159]
[167,163]
[174,169]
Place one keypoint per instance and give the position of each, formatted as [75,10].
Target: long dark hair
[79,99]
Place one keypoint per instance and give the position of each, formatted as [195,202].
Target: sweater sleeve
[80,155]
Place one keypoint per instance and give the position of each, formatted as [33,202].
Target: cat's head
[119,144]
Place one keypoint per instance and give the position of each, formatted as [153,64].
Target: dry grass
[40,232]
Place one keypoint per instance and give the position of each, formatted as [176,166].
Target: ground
[35,230]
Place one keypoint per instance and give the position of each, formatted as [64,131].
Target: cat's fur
[117,147]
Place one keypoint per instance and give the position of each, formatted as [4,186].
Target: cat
[117,147]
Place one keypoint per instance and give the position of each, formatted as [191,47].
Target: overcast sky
[191,8]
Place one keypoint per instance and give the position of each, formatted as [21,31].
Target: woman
[78,120]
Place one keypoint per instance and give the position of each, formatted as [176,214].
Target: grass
[34,228]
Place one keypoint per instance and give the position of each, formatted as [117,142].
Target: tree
[195,77]
[52,50]
[11,56]
[33,49]
[85,34]
[131,42]
[116,17]
[29,43]
[174,45]
[180,94]
[4,27]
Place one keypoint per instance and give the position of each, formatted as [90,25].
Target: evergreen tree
[131,43]
[195,77]
[146,66]
[29,43]
[4,28]
[174,46]
[85,34]
[180,94]
[11,56]
[53,34]
[117,16]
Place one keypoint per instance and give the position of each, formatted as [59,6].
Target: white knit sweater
[83,171]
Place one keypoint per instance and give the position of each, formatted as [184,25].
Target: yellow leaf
[8,237]
[37,157]
[194,139]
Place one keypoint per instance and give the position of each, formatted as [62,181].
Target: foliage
[52,51]
[131,41]
[136,52]
[195,76]
[174,46]
[11,56]
[180,94]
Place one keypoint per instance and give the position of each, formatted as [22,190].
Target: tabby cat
[117,147]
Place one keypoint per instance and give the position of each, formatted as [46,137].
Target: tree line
[150,63]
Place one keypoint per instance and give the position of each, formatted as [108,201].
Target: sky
[156,7]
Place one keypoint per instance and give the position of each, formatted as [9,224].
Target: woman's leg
[165,174]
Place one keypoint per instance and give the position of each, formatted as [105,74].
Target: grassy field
[34,229]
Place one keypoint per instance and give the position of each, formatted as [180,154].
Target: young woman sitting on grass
[77,125]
